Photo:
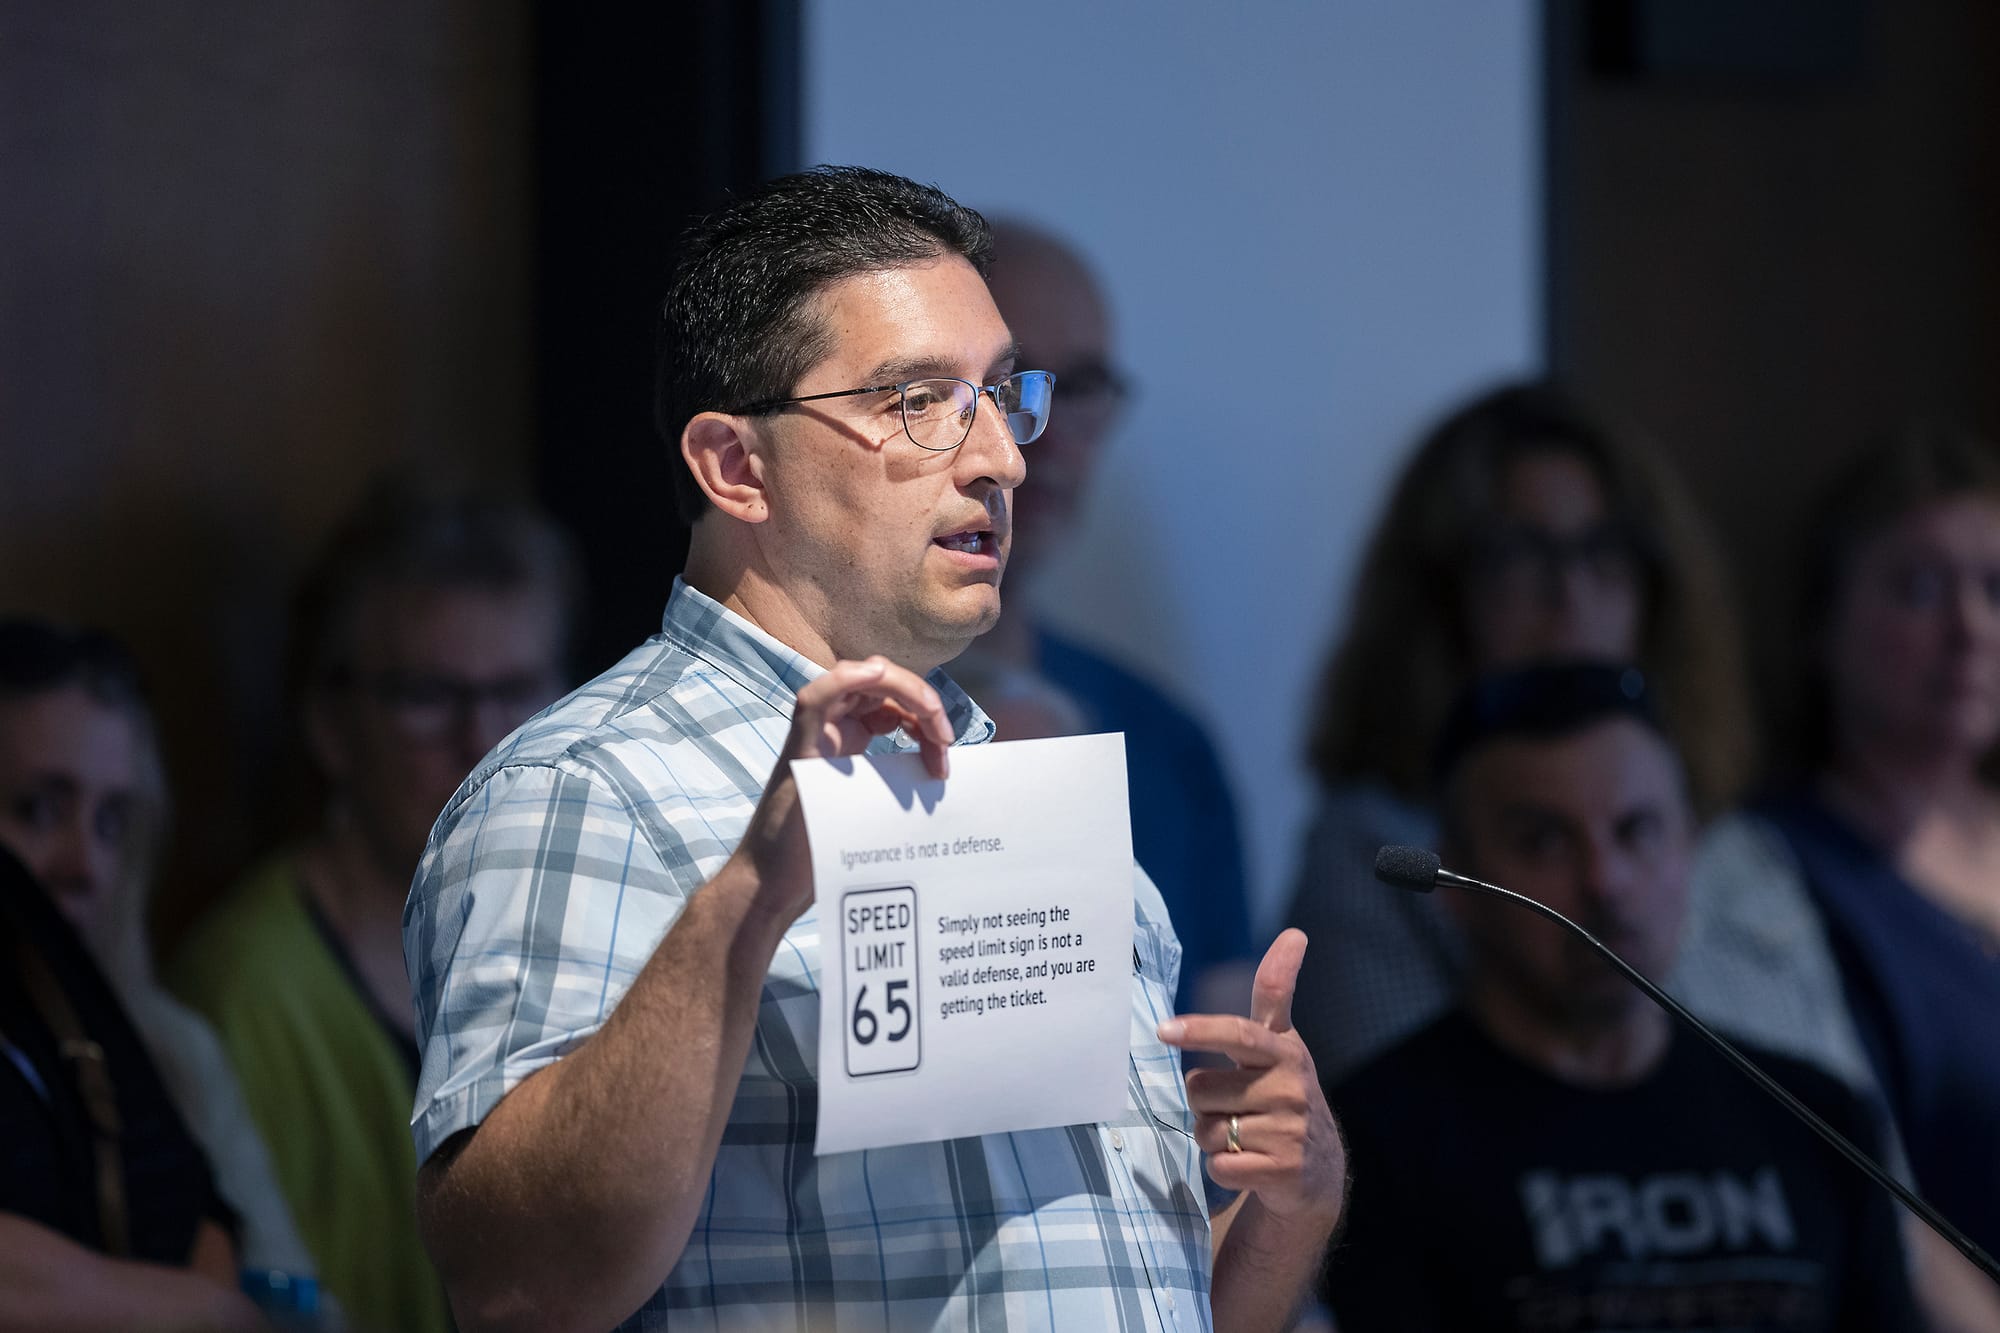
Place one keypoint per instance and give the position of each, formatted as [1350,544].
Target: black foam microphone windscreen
[1407,868]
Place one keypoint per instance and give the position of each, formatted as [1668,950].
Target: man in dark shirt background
[1553,1154]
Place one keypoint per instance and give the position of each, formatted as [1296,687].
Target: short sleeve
[538,901]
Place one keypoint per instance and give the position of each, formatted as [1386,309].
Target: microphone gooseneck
[1419,870]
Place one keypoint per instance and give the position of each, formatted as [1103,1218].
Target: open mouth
[981,542]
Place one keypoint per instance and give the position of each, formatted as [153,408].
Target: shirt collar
[704,627]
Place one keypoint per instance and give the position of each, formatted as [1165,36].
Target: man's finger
[1243,1040]
[933,733]
[1277,978]
[856,689]
[840,680]
[1226,1090]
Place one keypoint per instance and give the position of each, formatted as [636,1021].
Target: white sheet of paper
[975,940]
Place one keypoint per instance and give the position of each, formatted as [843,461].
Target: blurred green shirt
[330,1089]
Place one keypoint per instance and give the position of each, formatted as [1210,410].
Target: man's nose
[990,449]
[1604,875]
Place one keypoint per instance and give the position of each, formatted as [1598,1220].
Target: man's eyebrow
[902,370]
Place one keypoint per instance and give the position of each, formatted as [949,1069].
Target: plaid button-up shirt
[559,866]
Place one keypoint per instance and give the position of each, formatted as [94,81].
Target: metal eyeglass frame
[992,391]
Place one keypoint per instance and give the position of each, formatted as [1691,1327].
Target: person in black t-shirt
[156,1251]
[1554,1155]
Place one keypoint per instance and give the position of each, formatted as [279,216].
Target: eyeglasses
[938,413]
[1525,560]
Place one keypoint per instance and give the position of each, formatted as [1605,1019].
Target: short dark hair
[39,657]
[738,325]
[408,531]
[1546,701]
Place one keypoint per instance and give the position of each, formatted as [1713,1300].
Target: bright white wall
[1318,221]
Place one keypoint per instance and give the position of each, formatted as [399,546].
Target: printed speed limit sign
[884,999]
[975,940]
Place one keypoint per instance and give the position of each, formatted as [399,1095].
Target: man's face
[441,675]
[1594,825]
[69,792]
[1052,304]
[881,546]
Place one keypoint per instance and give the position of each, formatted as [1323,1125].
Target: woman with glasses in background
[1895,823]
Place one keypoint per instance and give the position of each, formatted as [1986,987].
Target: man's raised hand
[1287,1148]
[835,715]
[854,702]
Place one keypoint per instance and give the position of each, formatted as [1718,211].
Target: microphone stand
[1397,873]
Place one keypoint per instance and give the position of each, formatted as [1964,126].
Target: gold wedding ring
[1235,1134]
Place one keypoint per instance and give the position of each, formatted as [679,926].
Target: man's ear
[721,452]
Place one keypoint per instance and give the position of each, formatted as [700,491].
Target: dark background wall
[645,116]
[248,255]
[1774,229]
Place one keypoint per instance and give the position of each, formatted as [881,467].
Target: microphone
[1421,871]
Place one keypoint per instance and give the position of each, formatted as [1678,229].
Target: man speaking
[611,939]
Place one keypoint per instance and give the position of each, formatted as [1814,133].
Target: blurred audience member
[1523,529]
[433,625]
[1034,682]
[83,803]
[109,1219]
[1897,828]
[1554,1153]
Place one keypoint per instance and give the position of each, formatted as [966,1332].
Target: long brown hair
[1406,650]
